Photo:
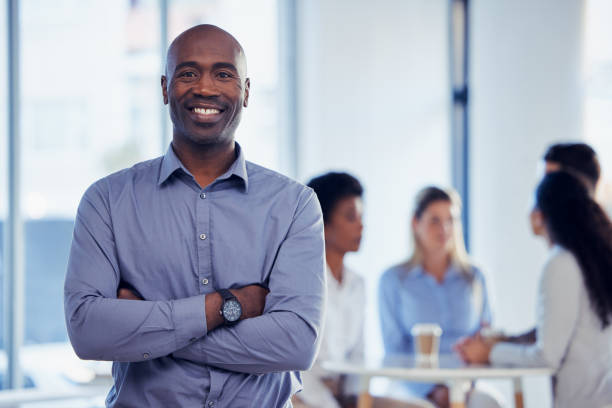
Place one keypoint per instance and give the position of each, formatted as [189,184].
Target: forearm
[523,338]
[123,330]
[276,341]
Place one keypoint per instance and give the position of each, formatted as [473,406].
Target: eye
[187,74]
[225,75]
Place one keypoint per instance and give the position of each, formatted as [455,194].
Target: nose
[206,86]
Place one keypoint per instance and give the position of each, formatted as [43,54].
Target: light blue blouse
[408,296]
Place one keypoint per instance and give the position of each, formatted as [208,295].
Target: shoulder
[107,187]
[561,267]
[274,184]
[395,274]
[476,272]
[260,175]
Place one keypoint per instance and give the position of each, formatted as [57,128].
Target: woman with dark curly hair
[574,334]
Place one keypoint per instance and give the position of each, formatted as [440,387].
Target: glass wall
[91,104]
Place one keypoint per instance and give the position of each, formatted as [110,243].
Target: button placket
[204,248]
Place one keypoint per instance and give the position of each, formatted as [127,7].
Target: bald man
[198,273]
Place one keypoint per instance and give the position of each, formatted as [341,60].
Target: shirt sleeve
[395,340]
[557,314]
[285,336]
[102,327]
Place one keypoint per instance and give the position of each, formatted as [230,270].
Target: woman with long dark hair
[574,331]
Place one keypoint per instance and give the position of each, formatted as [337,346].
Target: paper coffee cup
[426,339]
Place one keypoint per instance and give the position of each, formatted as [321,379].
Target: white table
[450,370]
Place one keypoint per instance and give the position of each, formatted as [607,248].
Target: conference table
[449,370]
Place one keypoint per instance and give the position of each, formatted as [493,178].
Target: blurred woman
[438,284]
[340,196]
[574,335]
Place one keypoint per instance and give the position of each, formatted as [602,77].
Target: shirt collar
[171,163]
[452,271]
[331,280]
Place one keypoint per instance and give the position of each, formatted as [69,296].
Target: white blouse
[570,339]
[342,337]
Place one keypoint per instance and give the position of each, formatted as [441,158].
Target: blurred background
[400,93]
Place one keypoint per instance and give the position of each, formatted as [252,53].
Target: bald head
[210,35]
[205,86]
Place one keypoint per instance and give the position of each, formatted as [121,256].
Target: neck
[205,162]
[335,261]
[436,264]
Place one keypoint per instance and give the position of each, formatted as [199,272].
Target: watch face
[232,310]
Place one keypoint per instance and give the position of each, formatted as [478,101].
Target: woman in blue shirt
[437,284]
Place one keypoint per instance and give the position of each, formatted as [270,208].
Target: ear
[164,83]
[247,90]
[414,223]
[537,222]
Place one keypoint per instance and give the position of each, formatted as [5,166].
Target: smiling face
[344,228]
[435,227]
[205,85]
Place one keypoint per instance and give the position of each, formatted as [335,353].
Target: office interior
[400,93]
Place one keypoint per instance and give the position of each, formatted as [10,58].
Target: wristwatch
[231,309]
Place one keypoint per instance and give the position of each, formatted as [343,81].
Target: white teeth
[206,111]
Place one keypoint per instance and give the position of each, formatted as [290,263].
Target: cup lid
[426,328]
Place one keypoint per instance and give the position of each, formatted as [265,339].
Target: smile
[206,111]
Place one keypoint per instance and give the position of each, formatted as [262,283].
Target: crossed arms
[281,337]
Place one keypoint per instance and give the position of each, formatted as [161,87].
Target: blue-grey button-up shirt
[407,296]
[154,229]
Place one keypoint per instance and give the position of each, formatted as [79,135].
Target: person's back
[584,377]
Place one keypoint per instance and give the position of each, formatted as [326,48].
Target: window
[3,174]
[91,104]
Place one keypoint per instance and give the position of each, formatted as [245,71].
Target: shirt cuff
[189,317]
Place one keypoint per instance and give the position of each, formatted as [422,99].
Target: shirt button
[211,403]
[202,236]
[203,196]
[145,355]
[204,281]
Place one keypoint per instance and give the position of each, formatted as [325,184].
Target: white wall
[374,101]
[526,94]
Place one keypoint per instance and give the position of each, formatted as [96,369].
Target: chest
[185,242]
[454,305]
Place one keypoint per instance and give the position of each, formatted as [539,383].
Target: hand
[439,396]
[475,350]
[127,294]
[252,298]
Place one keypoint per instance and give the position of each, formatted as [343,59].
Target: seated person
[573,331]
[581,160]
[438,284]
[340,195]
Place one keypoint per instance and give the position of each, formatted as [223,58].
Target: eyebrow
[216,65]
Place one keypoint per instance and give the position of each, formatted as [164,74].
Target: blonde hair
[458,254]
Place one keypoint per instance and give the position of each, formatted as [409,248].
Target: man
[157,246]
[577,158]
[581,161]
